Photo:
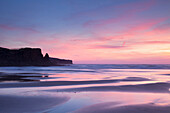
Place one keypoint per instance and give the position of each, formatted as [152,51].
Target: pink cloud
[101,35]
[16,28]
[134,7]
[103,30]
[145,25]
[131,32]
[128,58]
[160,29]
[164,27]
[107,47]
[155,42]
[128,37]
[129,10]
[46,42]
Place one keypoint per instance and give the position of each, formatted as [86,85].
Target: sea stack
[28,57]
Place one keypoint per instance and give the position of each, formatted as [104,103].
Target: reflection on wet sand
[21,77]
[143,108]
[29,103]
[72,89]
[108,102]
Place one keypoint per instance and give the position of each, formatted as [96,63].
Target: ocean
[86,88]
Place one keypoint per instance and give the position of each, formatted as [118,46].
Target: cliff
[28,57]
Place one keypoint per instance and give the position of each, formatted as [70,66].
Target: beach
[85,89]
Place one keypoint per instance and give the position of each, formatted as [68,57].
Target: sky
[90,31]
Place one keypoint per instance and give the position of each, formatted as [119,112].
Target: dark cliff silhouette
[28,57]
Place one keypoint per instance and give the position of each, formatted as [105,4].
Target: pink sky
[107,33]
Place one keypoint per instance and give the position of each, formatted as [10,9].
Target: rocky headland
[28,57]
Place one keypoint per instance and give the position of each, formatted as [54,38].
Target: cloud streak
[108,47]
[16,28]
[130,11]
[154,42]
[107,31]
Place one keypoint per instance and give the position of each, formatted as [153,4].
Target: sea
[86,88]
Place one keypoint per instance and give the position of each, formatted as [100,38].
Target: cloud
[107,47]
[127,58]
[160,29]
[154,42]
[130,37]
[109,9]
[127,11]
[141,29]
[16,28]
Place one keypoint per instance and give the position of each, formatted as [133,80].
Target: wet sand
[21,104]
[45,90]
[112,108]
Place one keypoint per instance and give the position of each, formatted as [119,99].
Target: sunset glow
[90,31]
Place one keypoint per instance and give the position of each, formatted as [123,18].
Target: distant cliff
[28,57]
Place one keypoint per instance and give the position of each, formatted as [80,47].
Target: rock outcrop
[28,57]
